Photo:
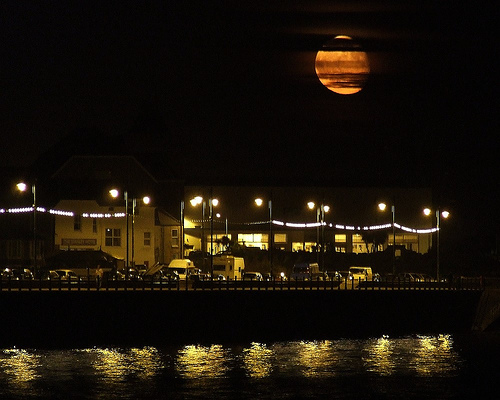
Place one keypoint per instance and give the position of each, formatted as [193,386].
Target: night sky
[227,91]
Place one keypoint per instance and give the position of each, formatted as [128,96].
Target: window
[280,238]
[113,237]
[147,238]
[94,225]
[77,222]
[174,233]
[340,238]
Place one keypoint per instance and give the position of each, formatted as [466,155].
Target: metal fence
[148,283]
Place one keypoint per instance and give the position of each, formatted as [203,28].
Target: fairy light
[299,225]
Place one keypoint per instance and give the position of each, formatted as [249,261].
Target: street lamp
[320,218]
[439,214]
[259,202]
[23,187]
[382,207]
[211,204]
[146,200]
[115,193]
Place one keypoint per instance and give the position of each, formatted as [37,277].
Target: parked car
[14,273]
[65,274]
[252,276]
[360,273]
[415,277]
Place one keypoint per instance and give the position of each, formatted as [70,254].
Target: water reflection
[202,361]
[18,368]
[150,372]
[257,360]
[423,356]
[117,365]
[380,356]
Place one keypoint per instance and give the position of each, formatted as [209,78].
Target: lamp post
[320,218]
[259,202]
[145,200]
[211,204]
[22,187]
[115,193]
[382,207]
[439,214]
[182,229]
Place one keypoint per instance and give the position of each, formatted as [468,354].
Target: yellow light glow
[146,200]
[445,214]
[259,202]
[114,193]
[257,360]
[326,208]
[427,211]
[21,186]
[215,202]
[382,206]
[196,201]
[195,362]
[311,205]
[341,66]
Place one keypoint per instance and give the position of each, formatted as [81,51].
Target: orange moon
[342,66]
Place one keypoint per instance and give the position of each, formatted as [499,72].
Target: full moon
[342,66]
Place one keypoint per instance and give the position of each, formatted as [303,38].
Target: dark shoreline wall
[97,318]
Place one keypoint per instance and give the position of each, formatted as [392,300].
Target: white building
[153,235]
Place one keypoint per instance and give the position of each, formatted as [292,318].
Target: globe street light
[439,214]
[23,187]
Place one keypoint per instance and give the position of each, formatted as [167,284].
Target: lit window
[94,225]
[280,238]
[340,238]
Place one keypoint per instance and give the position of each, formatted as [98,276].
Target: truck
[228,267]
[305,271]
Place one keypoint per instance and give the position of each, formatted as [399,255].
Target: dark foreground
[102,318]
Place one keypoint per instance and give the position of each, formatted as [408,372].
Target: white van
[360,273]
[228,267]
[183,267]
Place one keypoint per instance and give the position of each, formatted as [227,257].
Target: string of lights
[275,222]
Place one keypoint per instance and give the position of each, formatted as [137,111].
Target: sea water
[412,367]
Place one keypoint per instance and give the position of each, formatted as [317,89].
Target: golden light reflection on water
[115,364]
[20,366]
[423,355]
[435,356]
[257,360]
[198,361]
[315,358]
[380,356]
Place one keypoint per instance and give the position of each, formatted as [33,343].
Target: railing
[149,283]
